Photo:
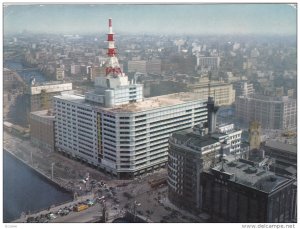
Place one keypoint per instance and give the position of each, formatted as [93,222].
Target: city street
[120,195]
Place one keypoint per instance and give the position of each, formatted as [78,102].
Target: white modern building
[115,128]
[130,138]
[231,135]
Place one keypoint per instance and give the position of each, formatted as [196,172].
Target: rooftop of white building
[158,102]
[72,98]
[146,104]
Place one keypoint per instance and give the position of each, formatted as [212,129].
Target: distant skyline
[177,19]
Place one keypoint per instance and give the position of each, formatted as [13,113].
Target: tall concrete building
[208,62]
[193,151]
[42,129]
[271,112]
[115,128]
[243,88]
[38,97]
[137,66]
[145,66]
[189,154]
[223,93]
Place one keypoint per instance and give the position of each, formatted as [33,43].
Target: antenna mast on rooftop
[113,66]
[209,78]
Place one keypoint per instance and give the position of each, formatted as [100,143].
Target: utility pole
[134,211]
[52,165]
[104,212]
[135,205]
[75,196]
[31,158]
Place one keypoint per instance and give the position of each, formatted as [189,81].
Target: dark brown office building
[240,191]
[189,154]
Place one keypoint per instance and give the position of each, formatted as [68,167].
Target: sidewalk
[54,209]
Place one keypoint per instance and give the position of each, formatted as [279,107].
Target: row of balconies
[175,119]
[171,124]
[170,113]
[143,161]
[145,153]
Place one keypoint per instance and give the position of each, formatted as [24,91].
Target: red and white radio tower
[112,66]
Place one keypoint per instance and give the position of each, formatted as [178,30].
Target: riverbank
[68,176]
[39,173]
[71,173]
[26,191]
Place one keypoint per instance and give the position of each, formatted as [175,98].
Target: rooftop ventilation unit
[250,170]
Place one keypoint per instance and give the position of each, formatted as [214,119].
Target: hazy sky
[165,19]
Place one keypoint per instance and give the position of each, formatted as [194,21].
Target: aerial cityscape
[126,113]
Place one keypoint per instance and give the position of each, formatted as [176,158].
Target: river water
[24,71]
[24,190]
